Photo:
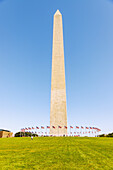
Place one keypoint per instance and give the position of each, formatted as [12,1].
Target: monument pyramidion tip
[57,12]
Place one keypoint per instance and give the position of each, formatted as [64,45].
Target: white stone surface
[58,113]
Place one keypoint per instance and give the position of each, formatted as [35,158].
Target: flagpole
[75,129]
[85,130]
[58,130]
[64,130]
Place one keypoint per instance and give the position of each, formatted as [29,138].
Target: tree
[25,134]
[110,135]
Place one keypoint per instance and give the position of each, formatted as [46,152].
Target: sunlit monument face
[58,113]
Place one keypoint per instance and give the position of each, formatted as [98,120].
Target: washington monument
[58,113]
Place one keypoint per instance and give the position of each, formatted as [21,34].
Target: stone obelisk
[58,113]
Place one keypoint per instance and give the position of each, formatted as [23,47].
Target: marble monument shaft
[58,113]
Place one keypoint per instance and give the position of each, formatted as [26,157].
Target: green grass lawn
[56,153]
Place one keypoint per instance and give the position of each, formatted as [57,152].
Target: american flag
[33,128]
[71,126]
[59,127]
[26,128]
[53,127]
[22,130]
[42,127]
[48,127]
[29,128]
[87,128]
[37,127]
[82,127]
[74,132]
[77,127]
[65,127]
[90,127]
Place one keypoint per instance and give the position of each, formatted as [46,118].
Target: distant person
[31,137]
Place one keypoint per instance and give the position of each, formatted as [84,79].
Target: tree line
[108,135]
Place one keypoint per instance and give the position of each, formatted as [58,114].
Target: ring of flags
[79,130]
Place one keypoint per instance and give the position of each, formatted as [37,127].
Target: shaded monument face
[58,113]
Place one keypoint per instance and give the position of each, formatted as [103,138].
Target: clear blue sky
[26,28]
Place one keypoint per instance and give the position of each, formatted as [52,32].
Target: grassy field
[56,153]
